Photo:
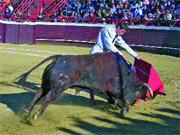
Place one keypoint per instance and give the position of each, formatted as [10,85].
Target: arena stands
[136,12]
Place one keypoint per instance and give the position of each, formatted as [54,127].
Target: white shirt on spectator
[106,42]
[113,9]
[10,8]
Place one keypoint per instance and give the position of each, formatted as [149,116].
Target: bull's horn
[149,88]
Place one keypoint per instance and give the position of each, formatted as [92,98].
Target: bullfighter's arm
[120,42]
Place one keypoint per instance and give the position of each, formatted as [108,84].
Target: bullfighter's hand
[124,57]
[138,57]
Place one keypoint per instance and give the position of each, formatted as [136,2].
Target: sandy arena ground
[75,114]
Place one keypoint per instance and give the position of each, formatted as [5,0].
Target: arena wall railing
[163,40]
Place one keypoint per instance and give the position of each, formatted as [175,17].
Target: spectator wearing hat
[150,15]
[104,21]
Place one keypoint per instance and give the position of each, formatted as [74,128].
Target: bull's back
[91,71]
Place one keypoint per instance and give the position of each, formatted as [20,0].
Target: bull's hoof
[93,102]
[117,107]
[26,112]
[123,111]
[36,116]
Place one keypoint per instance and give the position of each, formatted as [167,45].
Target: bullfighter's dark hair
[123,25]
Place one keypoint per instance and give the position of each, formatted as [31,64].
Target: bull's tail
[24,76]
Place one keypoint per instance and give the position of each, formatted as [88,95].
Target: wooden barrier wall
[163,40]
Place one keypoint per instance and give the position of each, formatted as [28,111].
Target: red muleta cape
[146,73]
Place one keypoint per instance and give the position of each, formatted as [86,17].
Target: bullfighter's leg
[49,98]
[37,97]
[91,92]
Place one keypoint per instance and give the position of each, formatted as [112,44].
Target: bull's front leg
[125,108]
[117,103]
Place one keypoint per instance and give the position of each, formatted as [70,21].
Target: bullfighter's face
[120,31]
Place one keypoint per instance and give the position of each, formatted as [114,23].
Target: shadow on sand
[170,125]
[169,122]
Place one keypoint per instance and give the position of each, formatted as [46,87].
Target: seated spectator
[150,18]
[62,15]
[105,9]
[132,9]
[10,8]
[7,12]
[146,2]
[120,14]
[111,3]
[168,17]
[99,13]
[150,15]
[152,9]
[126,8]
[173,7]
[104,21]
[90,8]
[101,5]
[157,5]
[73,14]
[157,17]
[113,9]
[139,4]
[162,15]
[77,4]
[145,10]
[129,15]
[152,3]
[53,17]
[175,15]
[68,10]
[168,6]
[161,8]
[145,18]
[138,17]
[83,8]
[138,11]
[86,14]
[92,15]
[157,12]
[125,16]
[120,5]
[178,9]
[107,15]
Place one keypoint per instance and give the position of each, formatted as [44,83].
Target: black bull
[106,73]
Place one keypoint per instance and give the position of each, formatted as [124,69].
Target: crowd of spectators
[158,12]
[137,12]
